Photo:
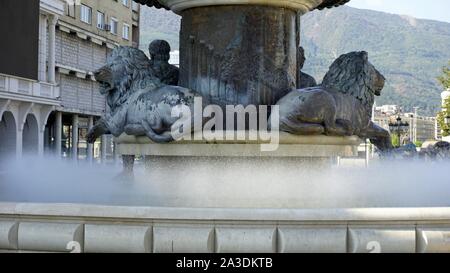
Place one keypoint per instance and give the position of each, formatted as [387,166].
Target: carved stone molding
[301,6]
[83,228]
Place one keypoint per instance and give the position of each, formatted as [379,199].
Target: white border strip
[226,214]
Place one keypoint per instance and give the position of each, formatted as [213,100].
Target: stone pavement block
[51,237]
[381,240]
[246,240]
[8,235]
[183,240]
[118,239]
[312,239]
[433,240]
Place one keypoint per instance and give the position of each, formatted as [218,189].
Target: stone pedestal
[290,146]
[242,156]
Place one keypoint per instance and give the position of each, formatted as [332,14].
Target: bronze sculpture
[303,80]
[341,106]
[140,104]
[141,99]
[440,151]
[159,60]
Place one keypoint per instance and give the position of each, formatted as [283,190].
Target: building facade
[27,98]
[52,111]
[445,97]
[85,35]
[388,110]
[421,129]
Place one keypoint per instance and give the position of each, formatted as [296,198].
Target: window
[125,3]
[126,32]
[86,14]
[71,9]
[114,26]
[100,20]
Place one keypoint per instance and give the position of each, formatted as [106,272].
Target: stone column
[90,147]
[103,149]
[52,20]
[75,137]
[19,143]
[367,149]
[252,51]
[43,47]
[128,164]
[116,155]
[58,134]
[40,148]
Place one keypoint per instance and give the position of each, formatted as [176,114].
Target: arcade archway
[30,136]
[8,131]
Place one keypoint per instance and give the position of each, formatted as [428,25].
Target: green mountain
[410,52]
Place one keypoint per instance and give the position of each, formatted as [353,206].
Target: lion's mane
[138,74]
[351,74]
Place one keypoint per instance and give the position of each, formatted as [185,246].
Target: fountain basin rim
[302,6]
[68,210]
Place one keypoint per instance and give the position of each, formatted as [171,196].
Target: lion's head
[127,70]
[353,74]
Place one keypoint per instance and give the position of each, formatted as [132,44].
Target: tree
[395,140]
[445,78]
[445,113]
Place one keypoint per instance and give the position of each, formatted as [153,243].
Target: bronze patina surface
[239,54]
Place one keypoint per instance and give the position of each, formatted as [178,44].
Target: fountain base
[85,228]
[310,148]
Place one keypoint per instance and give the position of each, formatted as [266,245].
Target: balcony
[26,89]
[135,17]
[135,6]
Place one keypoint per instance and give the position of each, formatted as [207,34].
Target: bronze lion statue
[139,104]
[341,105]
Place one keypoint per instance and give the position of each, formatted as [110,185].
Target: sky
[425,9]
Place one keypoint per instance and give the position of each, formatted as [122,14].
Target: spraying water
[243,184]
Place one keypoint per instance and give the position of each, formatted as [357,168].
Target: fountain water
[49,205]
[244,184]
[228,196]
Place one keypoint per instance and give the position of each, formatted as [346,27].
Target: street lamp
[399,128]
